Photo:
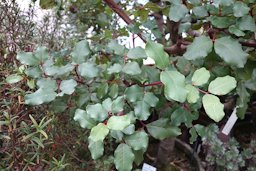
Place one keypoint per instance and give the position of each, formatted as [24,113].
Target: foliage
[226,156]
[207,57]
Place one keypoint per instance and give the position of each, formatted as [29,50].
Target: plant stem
[202,91]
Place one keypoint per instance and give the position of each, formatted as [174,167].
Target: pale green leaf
[213,107]
[222,85]
[246,23]
[129,129]
[117,105]
[177,12]
[88,70]
[200,48]
[47,83]
[134,93]
[230,51]
[234,30]
[68,86]
[96,148]
[41,53]
[200,77]
[157,53]
[81,52]
[139,157]
[240,9]
[116,48]
[124,157]
[150,99]
[84,120]
[57,71]
[193,94]
[118,122]
[131,68]
[132,140]
[118,135]
[42,95]
[99,132]
[174,83]
[96,112]
[141,110]
[137,53]
[116,68]
[223,2]
[27,58]
[47,4]
[34,72]
[14,78]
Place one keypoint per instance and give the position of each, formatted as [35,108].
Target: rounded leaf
[84,120]
[99,132]
[193,94]
[132,140]
[96,148]
[118,122]
[213,107]
[222,85]
[124,157]
[11,79]
[200,77]
[137,53]
[174,83]
[132,68]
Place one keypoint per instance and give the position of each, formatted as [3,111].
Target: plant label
[230,123]
[147,167]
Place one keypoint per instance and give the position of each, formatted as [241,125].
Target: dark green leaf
[240,9]
[141,110]
[177,12]
[134,93]
[150,99]
[132,140]
[221,22]
[200,11]
[131,68]
[234,30]
[137,53]
[246,23]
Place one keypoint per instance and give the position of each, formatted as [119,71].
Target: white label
[147,167]
[230,123]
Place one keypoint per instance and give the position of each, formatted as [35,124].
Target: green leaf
[150,99]
[242,100]
[117,105]
[223,2]
[156,52]
[200,77]
[27,58]
[102,90]
[194,2]
[213,107]
[129,129]
[222,85]
[42,53]
[180,116]
[116,68]
[14,78]
[88,70]
[141,110]
[113,91]
[234,30]
[84,120]
[99,132]
[118,122]
[246,23]
[42,95]
[47,83]
[230,51]
[132,140]
[118,135]
[116,48]
[34,72]
[123,157]
[133,93]
[137,53]
[177,12]
[200,11]
[96,112]
[47,4]
[159,129]
[193,94]
[139,157]
[131,68]
[68,86]
[174,83]
[240,9]
[200,48]
[57,71]
[221,22]
[31,84]
[96,148]
[81,52]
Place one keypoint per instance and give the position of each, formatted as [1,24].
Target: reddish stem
[152,84]
[202,91]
